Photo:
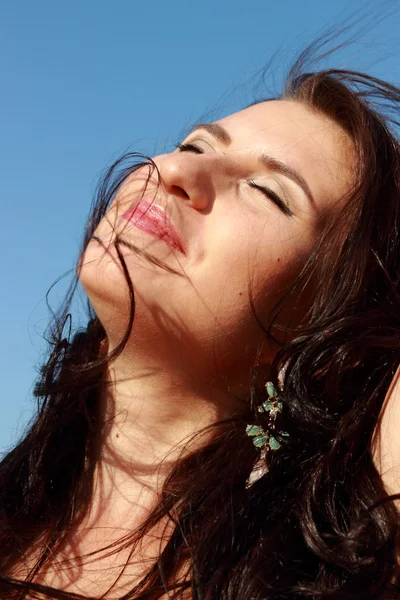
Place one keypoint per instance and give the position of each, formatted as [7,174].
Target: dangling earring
[265,440]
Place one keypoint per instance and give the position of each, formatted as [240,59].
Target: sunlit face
[245,201]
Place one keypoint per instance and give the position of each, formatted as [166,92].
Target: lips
[152,219]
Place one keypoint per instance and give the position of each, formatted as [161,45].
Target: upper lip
[162,224]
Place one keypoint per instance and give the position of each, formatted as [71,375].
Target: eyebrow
[284,169]
[221,134]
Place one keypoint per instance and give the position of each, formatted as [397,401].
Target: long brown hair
[319,523]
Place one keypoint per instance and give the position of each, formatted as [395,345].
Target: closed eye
[271,195]
[189,148]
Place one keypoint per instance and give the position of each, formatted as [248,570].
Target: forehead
[305,139]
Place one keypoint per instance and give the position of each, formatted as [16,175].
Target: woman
[263,249]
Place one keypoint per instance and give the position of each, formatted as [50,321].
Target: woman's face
[241,203]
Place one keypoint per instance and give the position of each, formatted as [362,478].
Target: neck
[153,415]
[151,420]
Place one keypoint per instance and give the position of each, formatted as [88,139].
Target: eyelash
[189,148]
[272,196]
[268,193]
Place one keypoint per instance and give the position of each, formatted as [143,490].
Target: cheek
[269,255]
[262,264]
[273,285]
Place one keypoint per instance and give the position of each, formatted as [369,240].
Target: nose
[189,177]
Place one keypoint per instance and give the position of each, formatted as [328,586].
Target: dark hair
[318,523]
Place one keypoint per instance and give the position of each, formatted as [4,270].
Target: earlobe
[103,348]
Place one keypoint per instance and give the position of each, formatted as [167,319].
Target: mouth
[152,219]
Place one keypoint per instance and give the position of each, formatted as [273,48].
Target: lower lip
[151,219]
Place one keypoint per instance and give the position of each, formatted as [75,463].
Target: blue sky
[84,80]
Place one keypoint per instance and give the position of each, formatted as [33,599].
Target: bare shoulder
[386,439]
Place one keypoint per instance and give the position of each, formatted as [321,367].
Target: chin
[101,273]
[104,281]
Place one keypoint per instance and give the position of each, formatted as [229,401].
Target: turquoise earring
[266,440]
[272,407]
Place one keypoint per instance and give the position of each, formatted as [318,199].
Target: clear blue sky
[81,81]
